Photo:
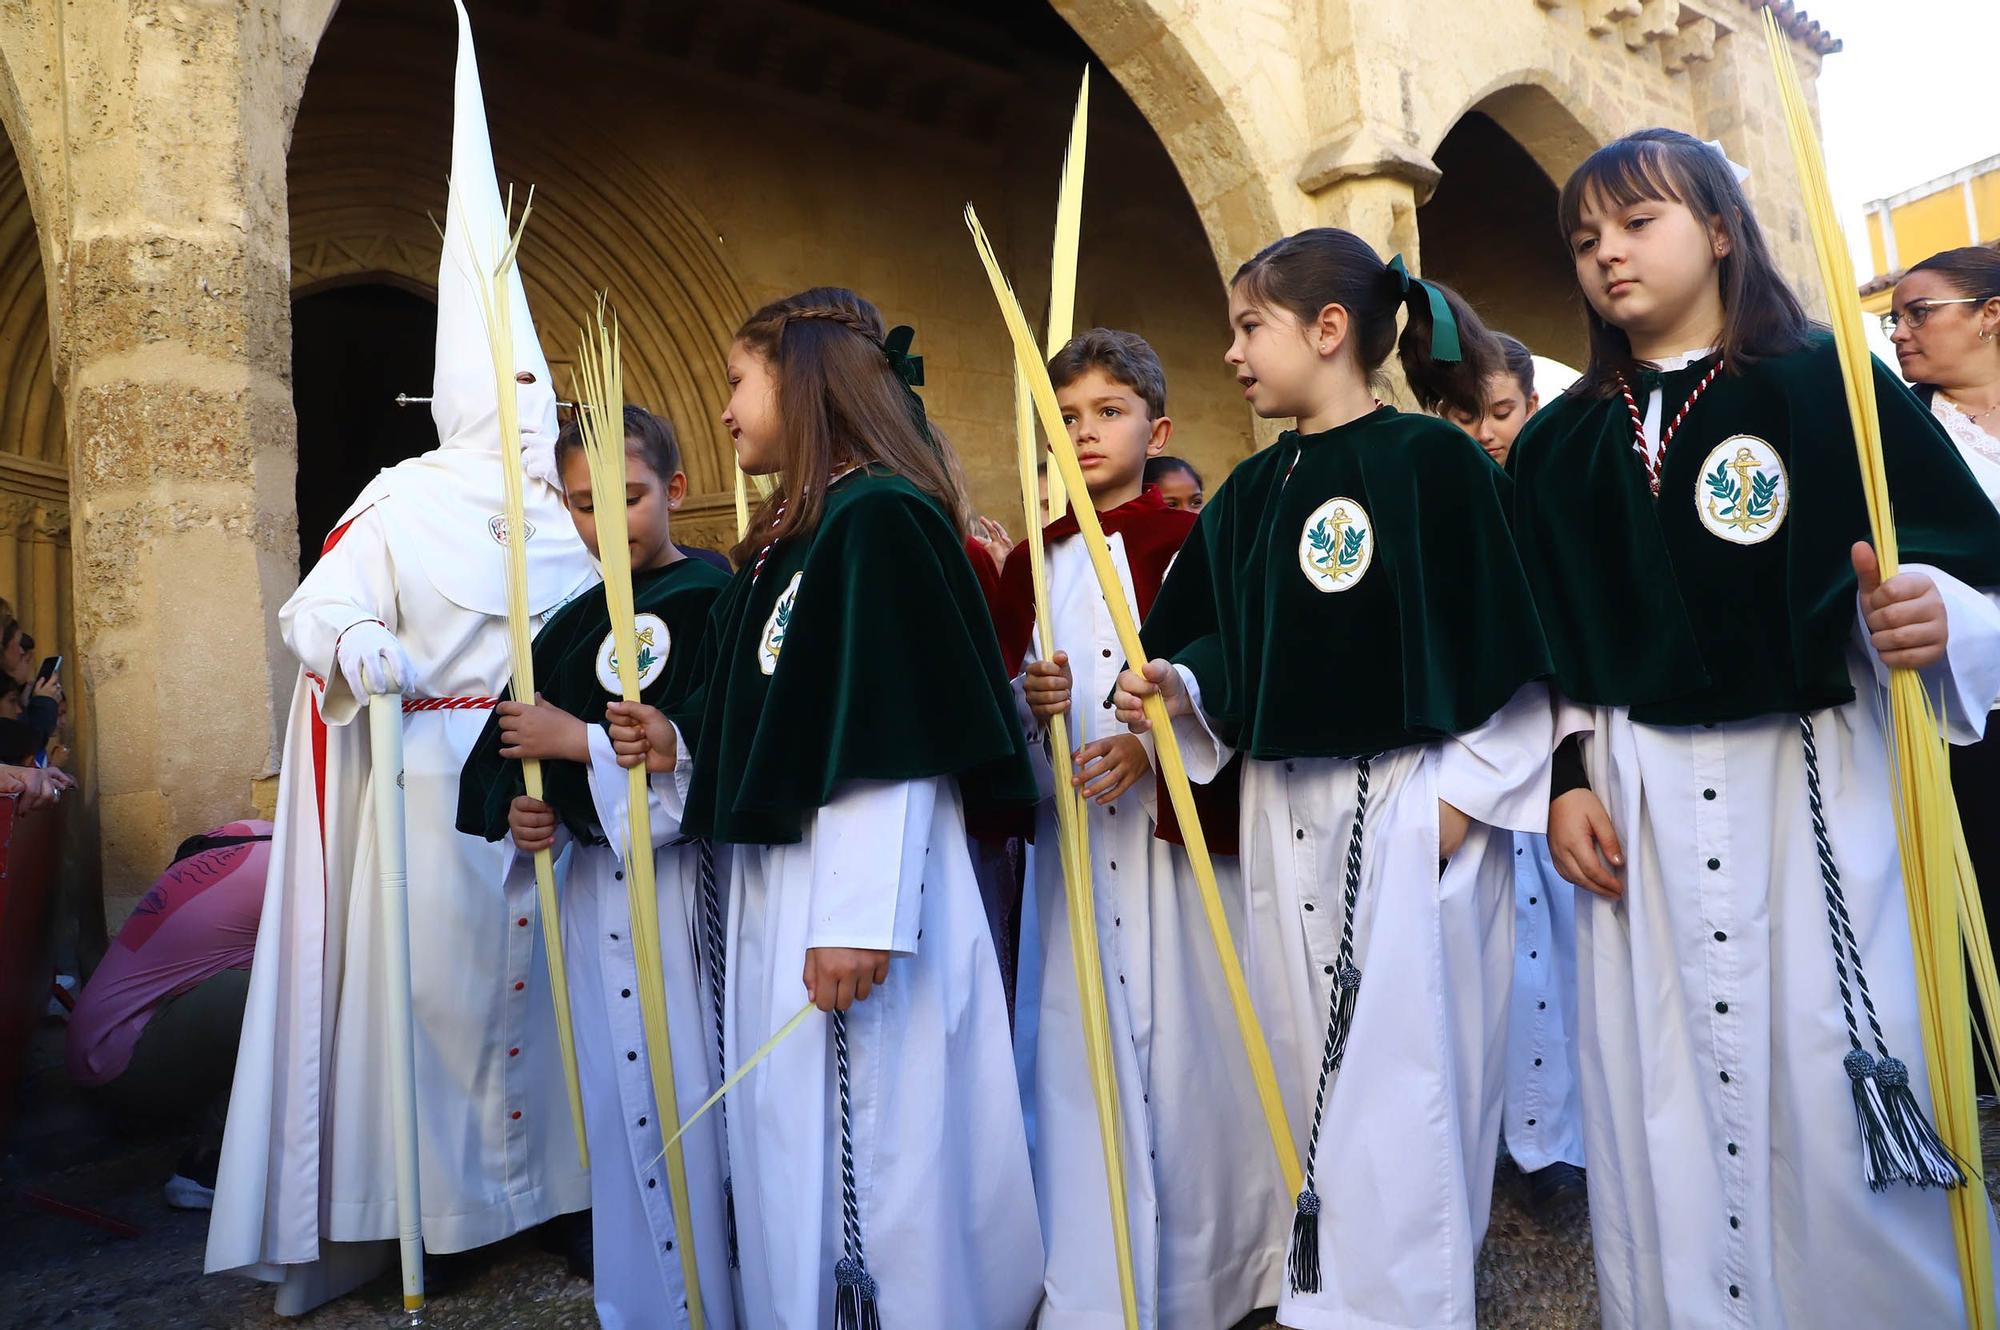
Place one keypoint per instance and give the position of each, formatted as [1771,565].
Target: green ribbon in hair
[1444,327]
[909,371]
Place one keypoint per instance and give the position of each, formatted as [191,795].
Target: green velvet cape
[1645,607]
[566,660]
[1433,637]
[879,664]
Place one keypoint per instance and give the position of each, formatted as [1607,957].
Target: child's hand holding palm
[1905,615]
[1046,685]
[641,733]
[543,732]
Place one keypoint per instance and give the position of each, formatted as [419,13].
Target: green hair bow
[909,371]
[1444,325]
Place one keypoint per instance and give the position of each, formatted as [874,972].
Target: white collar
[1668,364]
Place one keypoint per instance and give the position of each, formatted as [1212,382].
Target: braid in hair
[840,405]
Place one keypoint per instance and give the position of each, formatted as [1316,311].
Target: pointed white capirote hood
[463,404]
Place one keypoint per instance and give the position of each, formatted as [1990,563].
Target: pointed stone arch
[1176,82]
[366,190]
[1489,227]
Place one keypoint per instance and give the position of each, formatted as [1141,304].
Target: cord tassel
[854,1289]
[718,971]
[1898,1142]
[1303,1264]
[1932,1163]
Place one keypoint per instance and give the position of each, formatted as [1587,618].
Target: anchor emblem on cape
[1742,494]
[1337,545]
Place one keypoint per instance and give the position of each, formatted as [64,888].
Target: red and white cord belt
[415,704]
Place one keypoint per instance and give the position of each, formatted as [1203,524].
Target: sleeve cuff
[1202,752]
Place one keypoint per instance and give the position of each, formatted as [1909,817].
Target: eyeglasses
[1917,311]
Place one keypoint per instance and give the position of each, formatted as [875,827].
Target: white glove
[373,662]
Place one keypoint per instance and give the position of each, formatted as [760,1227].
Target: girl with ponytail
[1350,618]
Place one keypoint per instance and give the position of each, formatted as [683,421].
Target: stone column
[1371,185]
[173,350]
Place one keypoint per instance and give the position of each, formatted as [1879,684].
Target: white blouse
[1980,449]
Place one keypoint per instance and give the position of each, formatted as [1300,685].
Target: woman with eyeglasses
[1945,325]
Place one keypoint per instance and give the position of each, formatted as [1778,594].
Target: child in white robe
[1207,1241]
[636,1248]
[878,1154]
[1756,1104]
[1350,616]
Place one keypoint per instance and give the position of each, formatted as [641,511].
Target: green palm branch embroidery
[1350,546]
[781,621]
[1723,487]
[1763,492]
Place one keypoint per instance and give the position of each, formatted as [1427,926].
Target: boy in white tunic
[878,1155]
[409,596]
[1207,1238]
[1349,614]
[639,1279]
[1691,516]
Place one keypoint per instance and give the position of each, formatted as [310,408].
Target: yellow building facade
[216,219]
[1962,208]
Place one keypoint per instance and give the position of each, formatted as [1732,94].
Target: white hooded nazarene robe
[307,1159]
[1726,1171]
[638,1281]
[1206,1210]
[1404,1167]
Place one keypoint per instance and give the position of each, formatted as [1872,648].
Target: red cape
[1152,534]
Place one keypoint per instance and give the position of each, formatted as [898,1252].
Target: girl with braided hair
[878,1155]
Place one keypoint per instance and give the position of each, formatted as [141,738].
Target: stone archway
[1174,81]
[369,158]
[1552,127]
[35,576]
[1489,227]
[698,160]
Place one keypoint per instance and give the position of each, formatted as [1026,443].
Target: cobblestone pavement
[61,1274]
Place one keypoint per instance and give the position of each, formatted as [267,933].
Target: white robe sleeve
[354,582]
[1498,774]
[611,784]
[1202,752]
[870,849]
[1966,683]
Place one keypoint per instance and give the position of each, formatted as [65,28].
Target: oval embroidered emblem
[1742,492]
[496,527]
[653,643]
[1337,544]
[772,642]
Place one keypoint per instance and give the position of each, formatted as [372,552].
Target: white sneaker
[184,1193]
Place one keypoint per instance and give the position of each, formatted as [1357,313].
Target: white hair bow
[1742,173]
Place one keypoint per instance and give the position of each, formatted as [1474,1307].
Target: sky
[1912,96]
